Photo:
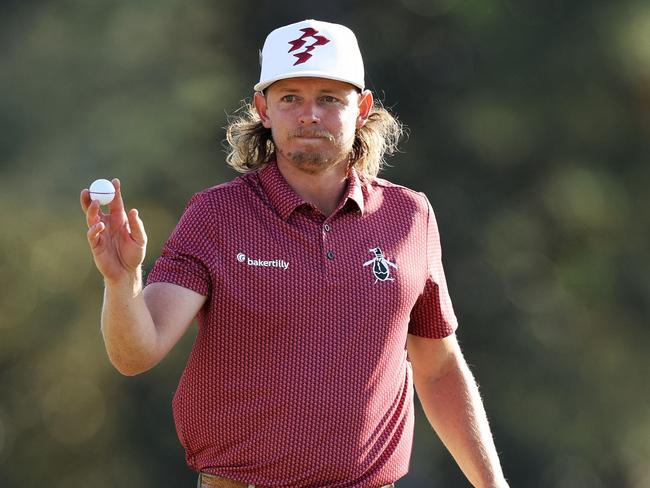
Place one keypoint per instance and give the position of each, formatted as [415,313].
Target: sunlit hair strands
[251,144]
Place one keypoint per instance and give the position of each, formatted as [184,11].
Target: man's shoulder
[235,185]
[399,193]
[386,184]
[222,201]
[226,192]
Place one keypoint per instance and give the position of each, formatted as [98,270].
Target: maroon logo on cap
[300,42]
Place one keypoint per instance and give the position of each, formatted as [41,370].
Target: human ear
[365,105]
[262,109]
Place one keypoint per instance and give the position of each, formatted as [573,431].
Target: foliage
[529,130]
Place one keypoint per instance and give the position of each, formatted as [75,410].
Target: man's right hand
[117,239]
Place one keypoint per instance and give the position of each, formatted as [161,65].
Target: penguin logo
[380,265]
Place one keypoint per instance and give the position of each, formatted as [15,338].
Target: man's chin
[311,162]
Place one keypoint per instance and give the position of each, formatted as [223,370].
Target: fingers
[137,228]
[84,199]
[91,208]
[94,234]
[93,213]
[117,205]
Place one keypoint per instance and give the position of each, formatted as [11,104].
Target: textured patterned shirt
[299,375]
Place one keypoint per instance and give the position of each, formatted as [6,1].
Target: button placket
[328,248]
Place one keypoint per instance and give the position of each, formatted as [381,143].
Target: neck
[323,189]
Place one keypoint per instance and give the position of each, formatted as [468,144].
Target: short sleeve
[183,260]
[433,314]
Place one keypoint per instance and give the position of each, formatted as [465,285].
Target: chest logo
[380,265]
[264,263]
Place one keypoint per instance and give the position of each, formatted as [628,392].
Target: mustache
[312,132]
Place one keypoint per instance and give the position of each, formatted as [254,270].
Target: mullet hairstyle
[251,144]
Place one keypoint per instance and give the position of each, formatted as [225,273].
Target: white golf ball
[102,191]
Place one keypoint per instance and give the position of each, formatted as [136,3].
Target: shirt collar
[286,200]
[355,190]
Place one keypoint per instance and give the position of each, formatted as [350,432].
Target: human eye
[329,99]
[289,98]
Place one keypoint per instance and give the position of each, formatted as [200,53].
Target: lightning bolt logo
[319,40]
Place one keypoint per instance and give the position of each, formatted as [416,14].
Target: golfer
[318,288]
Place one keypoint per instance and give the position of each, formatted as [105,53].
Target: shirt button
[330,254]
[327,227]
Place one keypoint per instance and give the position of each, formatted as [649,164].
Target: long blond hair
[251,144]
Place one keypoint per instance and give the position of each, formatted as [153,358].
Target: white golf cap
[314,49]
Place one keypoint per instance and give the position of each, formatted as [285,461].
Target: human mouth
[310,138]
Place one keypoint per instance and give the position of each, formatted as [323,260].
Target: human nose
[309,114]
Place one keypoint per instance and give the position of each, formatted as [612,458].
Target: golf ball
[103,191]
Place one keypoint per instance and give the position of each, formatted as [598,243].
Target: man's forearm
[128,329]
[454,408]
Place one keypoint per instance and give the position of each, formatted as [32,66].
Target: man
[311,280]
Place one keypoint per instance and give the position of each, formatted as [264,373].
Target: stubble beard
[310,162]
[314,162]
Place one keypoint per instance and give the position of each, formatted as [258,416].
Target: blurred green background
[529,129]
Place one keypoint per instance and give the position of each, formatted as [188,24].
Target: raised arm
[140,326]
[451,401]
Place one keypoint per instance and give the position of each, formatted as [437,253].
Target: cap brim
[304,74]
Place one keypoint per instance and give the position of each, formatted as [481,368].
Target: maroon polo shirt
[299,374]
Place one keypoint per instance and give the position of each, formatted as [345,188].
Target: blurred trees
[529,133]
